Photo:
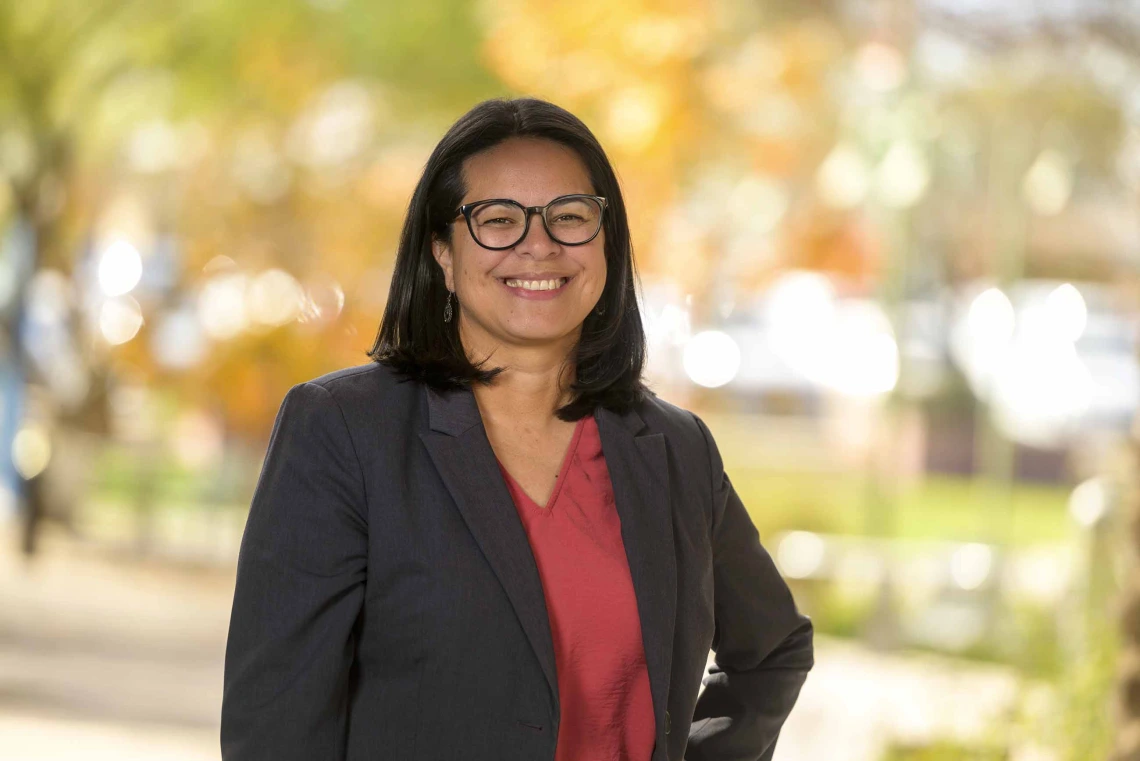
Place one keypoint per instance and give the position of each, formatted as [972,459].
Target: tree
[154,100]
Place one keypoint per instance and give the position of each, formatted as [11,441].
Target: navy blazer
[388,605]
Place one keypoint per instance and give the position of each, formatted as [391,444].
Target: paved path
[114,660]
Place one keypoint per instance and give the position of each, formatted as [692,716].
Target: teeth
[537,285]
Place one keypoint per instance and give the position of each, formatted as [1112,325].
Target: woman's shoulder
[686,434]
[361,390]
[355,377]
[370,377]
[672,420]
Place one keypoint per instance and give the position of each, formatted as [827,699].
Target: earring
[447,308]
[600,308]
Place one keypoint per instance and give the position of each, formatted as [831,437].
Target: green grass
[939,507]
[944,750]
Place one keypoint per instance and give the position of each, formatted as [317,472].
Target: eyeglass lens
[570,221]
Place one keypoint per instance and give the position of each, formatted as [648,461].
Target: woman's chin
[539,334]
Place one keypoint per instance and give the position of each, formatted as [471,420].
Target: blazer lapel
[458,445]
[640,477]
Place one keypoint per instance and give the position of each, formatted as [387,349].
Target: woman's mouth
[537,285]
[536,289]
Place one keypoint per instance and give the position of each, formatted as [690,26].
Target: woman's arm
[763,643]
[300,583]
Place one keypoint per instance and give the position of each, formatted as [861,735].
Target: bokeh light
[120,319]
[222,305]
[31,450]
[120,268]
[711,358]
[274,298]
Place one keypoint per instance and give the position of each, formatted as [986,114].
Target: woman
[493,542]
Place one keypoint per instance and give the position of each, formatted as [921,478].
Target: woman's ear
[442,253]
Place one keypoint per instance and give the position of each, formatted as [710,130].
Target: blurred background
[889,251]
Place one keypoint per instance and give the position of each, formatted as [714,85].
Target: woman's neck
[527,396]
[534,383]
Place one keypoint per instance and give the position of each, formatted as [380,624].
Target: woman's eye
[568,218]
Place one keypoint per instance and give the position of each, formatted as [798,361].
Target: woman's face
[491,312]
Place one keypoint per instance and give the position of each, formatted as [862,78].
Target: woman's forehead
[527,170]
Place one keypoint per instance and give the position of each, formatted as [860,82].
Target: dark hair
[415,341]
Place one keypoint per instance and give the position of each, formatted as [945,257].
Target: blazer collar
[638,466]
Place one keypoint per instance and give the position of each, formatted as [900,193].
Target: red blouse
[603,684]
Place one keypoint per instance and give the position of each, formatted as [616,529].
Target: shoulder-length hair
[413,338]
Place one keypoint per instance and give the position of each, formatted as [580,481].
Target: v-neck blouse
[603,683]
[567,461]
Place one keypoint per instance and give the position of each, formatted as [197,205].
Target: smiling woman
[527,561]
[534,285]
[498,168]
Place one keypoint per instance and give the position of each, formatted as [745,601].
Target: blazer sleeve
[762,643]
[300,584]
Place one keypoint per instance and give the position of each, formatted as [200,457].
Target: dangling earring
[600,308]
[447,308]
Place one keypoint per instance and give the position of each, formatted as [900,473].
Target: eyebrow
[508,198]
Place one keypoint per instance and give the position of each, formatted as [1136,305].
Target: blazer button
[666,722]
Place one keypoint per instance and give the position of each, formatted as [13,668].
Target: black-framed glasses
[499,223]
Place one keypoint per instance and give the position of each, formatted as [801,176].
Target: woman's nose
[537,241]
